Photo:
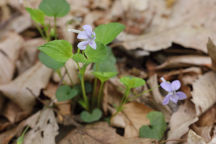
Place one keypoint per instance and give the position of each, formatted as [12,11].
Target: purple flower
[171,88]
[88,36]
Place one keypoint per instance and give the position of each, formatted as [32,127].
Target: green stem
[40,31]
[94,92]
[85,98]
[140,94]
[100,95]
[46,28]
[124,100]
[68,75]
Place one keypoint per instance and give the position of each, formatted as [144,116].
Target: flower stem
[100,95]
[40,31]
[94,92]
[124,100]
[85,98]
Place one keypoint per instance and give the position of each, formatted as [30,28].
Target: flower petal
[175,85]
[166,86]
[82,35]
[174,98]
[181,95]
[166,99]
[82,45]
[93,44]
[87,28]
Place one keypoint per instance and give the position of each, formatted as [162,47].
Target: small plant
[92,50]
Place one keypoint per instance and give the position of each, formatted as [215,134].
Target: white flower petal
[166,86]
[175,85]
[93,44]
[82,35]
[82,45]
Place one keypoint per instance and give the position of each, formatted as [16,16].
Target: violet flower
[88,36]
[171,88]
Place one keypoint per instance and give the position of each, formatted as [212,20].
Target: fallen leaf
[180,121]
[185,61]
[182,25]
[45,129]
[34,79]
[193,138]
[100,133]
[136,114]
[204,92]
[10,46]
[212,53]
[28,54]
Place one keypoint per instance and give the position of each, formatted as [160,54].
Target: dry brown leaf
[28,54]
[181,120]
[19,23]
[13,112]
[184,24]
[193,138]
[212,53]
[9,51]
[45,129]
[136,115]
[100,133]
[204,131]
[186,60]
[102,4]
[132,118]
[204,92]
[33,80]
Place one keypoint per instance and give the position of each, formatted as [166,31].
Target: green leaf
[98,54]
[49,62]
[106,33]
[91,117]
[56,8]
[132,82]
[59,50]
[104,76]
[79,58]
[21,138]
[156,129]
[65,92]
[37,15]
[108,64]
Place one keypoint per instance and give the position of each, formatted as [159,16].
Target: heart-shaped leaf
[56,8]
[156,129]
[59,50]
[104,76]
[108,64]
[91,117]
[132,82]
[36,14]
[98,54]
[79,58]
[49,62]
[65,92]
[106,33]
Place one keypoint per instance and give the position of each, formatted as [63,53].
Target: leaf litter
[156,43]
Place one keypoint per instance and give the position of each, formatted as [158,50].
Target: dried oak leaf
[44,130]
[25,88]
[10,46]
[184,24]
[204,92]
[100,133]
